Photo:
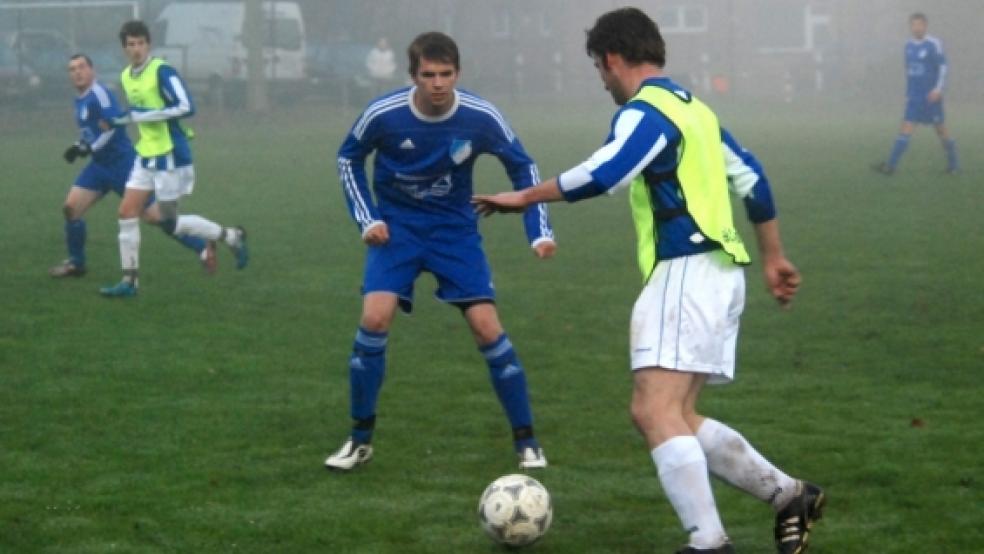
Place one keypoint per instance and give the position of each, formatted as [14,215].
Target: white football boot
[349,456]
[532,458]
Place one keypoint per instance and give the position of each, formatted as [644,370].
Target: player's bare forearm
[767,235]
[517,201]
[781,276]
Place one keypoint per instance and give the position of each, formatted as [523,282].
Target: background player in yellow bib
[158,101]
[669,150]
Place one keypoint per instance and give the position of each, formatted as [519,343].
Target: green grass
[195,418]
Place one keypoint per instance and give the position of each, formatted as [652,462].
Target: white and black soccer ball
[515,510]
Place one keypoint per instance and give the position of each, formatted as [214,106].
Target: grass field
[196,417]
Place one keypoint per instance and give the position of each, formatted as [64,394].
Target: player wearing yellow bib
[678,164]
[158,101]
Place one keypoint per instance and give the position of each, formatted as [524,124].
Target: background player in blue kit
[426,138]
[926,72]
[112,159]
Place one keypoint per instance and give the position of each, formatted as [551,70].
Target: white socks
[197,226]
[130,245]
[732,458]
[683,473]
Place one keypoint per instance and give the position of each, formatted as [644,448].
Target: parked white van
[204,42]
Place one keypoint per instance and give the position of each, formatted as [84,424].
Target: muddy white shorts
[167,184]
[687,316]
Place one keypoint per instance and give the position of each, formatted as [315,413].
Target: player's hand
[782,279]
[545,249]
[504,202]
[377,235]
[77,150]
[934,96]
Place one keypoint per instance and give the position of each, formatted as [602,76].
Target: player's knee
[70,212]
[375,322]
[168,225]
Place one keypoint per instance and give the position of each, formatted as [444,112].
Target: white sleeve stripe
[184,104]
[489,109]
[580,176]
[359,208]
[741,177]
[942,79]
[101,140]
[646,160]
[101,95]
[543,220]
[375,110]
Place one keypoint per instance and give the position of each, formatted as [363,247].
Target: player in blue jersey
[111,159]
[426,139]
[685,323]
[159,101]
[926,72]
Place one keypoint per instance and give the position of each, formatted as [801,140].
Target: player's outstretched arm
[516,201]
[781,276]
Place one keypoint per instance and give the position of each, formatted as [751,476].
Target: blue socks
[901,143]
[950,147]
[367,366]
[509,382]
[75,240]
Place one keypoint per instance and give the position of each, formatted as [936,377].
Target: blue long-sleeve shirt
[925,66]
[644,141]
[96,104]
[422,171]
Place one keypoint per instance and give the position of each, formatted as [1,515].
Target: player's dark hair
[630,33]
[433,46]
[919,16]
[134,28]
[81,56]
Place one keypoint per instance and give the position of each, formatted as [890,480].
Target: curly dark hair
[134,28]
[630,33]
[433,46]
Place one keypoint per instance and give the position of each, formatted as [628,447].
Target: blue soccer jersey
[925,66]
[178,104]
[422,172]
[112,147]
[643,140]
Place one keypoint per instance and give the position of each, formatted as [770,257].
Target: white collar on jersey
[432,118]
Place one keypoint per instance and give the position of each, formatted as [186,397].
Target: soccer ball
[515,510]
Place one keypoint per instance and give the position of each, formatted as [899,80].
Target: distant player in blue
[426,139]
[108,168]
[926,70]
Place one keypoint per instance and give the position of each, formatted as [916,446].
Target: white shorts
[167,184]
[687,317]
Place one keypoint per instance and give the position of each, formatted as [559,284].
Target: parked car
[18,81]
[38,58]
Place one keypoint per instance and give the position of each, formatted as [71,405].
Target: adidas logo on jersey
[407,145]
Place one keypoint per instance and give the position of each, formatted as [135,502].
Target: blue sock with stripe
[901,143]
[509,382]
[952,163]
[367,367]
[75,240]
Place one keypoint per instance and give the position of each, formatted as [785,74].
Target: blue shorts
[919,110]
[453,255]
[103,178]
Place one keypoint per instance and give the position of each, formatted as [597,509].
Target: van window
[284,34]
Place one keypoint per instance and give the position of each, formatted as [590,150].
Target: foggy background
[787,50]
